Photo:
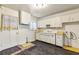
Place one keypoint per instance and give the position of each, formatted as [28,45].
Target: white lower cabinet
[46,38]
[53,39]
[37,36]
[59,40]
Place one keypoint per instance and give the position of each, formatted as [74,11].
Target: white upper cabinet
[25,17]
[75,17]
[41,23]
[65,18]
[53,21]
[69,16]
[56,22]
[72,17]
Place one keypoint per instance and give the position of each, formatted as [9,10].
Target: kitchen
[39,27]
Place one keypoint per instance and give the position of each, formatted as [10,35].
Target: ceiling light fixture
[39,5]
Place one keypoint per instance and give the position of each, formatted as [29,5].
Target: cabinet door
[41,37]
[66,18]
[59,40]
[74,17]
[42,23]
[49,39]
[53,39]
[45,39]
[37,36]
[56,22]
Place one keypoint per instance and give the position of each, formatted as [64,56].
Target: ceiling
[42,12]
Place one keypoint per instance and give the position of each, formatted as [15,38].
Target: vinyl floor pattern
[40,48]
[9,50]
[43,48]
